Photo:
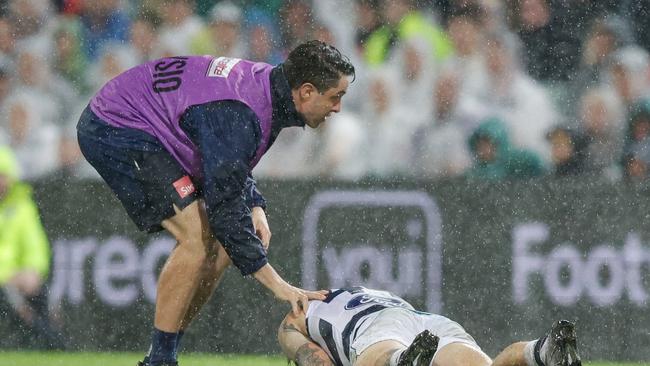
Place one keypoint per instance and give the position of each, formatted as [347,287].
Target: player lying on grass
[364,327]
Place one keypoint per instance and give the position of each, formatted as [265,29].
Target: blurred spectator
[179,26]
[568,151]
[5,85]
[223,36]
[451,106]
[297,23]
[638,129]
[601,119]
[71,161]
[603,39]
[441,148]
[636,162]
[7,44]
[102,22]
[68,6]
[324,34]
[143,40]
[404,22]
[522,104]
[202,8]
[551,41]
[465,32]
[368,21]
[341,19]
[415,66]
[24,258]
[262,39]
[496,159]
[606,36]
[447,8]
[34,140]
[336,148]
[294,144]
[629,74]
[55,96]
[31,21]
[69,61]
[114,60]
[390,126]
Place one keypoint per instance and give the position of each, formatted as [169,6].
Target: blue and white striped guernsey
[335,322]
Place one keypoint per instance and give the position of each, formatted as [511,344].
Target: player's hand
[261,226]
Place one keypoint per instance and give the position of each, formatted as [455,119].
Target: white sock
[529,352]
[394,359]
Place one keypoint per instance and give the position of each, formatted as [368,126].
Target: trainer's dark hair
[317,63]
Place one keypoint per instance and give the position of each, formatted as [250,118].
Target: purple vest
[153,96]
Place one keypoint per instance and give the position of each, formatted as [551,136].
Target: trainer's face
[316,106]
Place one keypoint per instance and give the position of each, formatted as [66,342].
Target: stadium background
[558,87]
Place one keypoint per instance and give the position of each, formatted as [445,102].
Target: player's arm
[297,346]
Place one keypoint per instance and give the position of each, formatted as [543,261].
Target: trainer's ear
[306,91]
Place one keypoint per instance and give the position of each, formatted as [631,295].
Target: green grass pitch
[130,359]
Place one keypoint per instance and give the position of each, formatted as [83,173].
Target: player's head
[318,76]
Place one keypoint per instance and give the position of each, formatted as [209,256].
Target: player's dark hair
[317,63]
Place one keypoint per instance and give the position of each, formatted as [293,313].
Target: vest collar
[284,110]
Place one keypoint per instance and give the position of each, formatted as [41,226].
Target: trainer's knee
[191,229]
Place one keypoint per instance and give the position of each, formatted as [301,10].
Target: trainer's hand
[261,226]
[298,298]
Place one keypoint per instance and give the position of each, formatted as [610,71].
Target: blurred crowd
[487,89]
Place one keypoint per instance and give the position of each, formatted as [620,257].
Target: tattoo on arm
[311,355]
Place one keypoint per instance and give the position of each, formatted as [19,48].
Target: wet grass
[130,359]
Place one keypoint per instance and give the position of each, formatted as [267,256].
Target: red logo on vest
[221,65]
[184,186]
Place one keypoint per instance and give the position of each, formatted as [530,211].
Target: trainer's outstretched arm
[298,298]
[298,348]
